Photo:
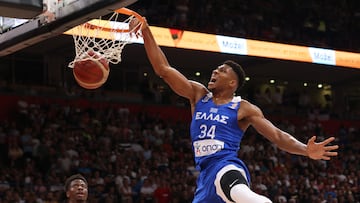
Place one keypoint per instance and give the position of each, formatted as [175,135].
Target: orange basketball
[92,71]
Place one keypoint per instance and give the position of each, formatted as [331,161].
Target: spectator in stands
[267,97]
[76,188]
[27,142]
[3,147]
[48,15]
[147,191]
[126,192]
[15,152]
[276,97]
[162,193]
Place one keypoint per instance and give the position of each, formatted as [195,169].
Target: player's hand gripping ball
[92,71]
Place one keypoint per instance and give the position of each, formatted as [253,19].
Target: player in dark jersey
[76,189]
[219,120]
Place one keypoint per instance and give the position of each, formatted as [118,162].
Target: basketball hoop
[106,37]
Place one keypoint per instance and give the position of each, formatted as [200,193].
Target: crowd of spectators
[313,23]
[138,157]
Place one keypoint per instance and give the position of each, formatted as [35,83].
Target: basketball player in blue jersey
[219,120]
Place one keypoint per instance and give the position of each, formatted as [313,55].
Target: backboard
[21,8]
[58,16]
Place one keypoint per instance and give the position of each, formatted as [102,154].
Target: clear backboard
[57,17]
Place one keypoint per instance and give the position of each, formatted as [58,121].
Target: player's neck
[222,98]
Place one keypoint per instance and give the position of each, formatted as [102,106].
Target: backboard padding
[20,8]
[37,30]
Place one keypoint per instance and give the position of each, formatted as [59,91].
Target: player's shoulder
[245,102]
[199,89]
[248,106]
[197,84]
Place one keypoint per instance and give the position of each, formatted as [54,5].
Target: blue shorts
[206,189]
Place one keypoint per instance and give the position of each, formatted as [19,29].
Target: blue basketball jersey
[216,138]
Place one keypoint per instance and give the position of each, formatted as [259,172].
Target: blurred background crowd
[142,157]
[320,23]
[137,156]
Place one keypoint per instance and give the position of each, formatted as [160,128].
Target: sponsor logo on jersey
[207,147]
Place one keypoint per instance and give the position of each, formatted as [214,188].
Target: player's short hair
[238,70]
[74,177]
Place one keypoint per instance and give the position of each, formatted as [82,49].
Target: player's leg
[241,193]
[232,186]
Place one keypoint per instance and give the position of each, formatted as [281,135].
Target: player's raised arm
[176,80]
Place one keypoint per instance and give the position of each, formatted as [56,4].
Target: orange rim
[124,11]
[129,12]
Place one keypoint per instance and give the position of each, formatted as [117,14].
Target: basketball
[91,71]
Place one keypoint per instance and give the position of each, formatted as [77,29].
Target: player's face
[221,77]
[78,191]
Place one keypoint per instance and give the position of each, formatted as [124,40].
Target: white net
[105,37]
